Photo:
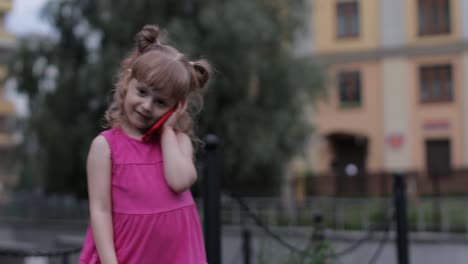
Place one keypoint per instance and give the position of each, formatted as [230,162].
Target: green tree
[255,103]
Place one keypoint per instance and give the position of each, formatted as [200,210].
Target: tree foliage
[255,103]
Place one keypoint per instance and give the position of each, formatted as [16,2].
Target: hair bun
[203,72]
[147,38]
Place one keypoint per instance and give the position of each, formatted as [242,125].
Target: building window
[347,19]
[433,17]
[436,83]
[350,89]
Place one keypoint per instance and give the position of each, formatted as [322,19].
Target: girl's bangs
[163,74]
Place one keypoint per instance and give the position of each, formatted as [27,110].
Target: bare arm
[99,184]
[177,151]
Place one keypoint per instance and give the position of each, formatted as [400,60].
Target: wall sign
[436,125]
[394,140]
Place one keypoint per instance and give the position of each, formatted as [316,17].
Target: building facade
[397,96]
[8,142]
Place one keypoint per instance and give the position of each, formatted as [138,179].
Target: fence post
[401,218]
[246,245]
[318,235]
[211,201]
[65,259]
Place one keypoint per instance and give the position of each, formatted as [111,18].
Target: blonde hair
[164,68]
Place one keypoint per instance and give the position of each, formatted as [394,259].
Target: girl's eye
[160,102]
[141,91]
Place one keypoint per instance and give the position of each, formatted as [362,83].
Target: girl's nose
[146,105]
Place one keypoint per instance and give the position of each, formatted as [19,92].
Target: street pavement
[426,248]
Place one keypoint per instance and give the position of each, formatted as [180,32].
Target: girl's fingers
[181,107]
[180,110]
[184,105]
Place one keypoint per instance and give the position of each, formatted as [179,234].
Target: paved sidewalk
[425,248]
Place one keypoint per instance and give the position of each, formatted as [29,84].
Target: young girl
[141,208]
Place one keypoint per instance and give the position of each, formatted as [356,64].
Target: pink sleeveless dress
[151,223]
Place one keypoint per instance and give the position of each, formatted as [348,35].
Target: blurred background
[317,105]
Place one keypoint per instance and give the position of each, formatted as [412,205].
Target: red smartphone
[159,124]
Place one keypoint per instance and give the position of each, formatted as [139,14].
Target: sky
[23,19]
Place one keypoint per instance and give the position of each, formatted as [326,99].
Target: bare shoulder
[100,145]
[99,158]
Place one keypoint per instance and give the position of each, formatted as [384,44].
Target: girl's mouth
[144,117]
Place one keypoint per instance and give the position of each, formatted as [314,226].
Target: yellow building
[398,89]
[8,143]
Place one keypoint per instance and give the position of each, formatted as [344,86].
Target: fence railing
[445,214]
[419,183]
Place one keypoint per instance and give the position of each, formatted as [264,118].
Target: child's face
[143,105]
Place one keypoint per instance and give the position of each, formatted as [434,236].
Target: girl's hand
[172,120]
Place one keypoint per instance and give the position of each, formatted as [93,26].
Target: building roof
[5,5]
[6,107]
[8,140]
